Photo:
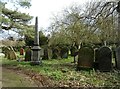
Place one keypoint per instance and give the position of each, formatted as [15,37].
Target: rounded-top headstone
[104,59]
[85,58]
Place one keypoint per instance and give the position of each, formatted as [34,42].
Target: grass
[64,72]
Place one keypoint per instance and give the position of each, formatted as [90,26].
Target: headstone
[21,51]
[28,54]
[104,57]
[41,53]
[85,58]
[12,55]
[64,52]
[118,58]
[9,53]
[56,53]
[45,56]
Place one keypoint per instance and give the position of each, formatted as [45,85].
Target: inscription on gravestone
[104,58]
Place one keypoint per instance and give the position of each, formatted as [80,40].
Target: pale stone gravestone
[104,58]
[41,53]
[85,58]
[47,53]
[118,58]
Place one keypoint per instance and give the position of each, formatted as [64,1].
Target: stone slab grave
[104,58]
[85,58]
[118,57]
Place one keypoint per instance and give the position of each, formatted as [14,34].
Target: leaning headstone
[12,55]
[28,54]
[85,58]
[104,57]
[118,58]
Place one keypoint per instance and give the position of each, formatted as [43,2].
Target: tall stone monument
[35,58]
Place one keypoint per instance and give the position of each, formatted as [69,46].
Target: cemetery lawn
[63,73]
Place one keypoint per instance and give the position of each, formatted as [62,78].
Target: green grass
[64,71]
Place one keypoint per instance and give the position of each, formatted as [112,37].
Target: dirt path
[15,79]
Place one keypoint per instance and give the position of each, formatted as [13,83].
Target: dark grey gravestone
[35,58]
[64,52]
[56,53]
[85,58]
[28,54]
[118,58]
[104,57]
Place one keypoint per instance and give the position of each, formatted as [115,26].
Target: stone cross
[35,58]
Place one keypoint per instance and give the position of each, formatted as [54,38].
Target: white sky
[45,8]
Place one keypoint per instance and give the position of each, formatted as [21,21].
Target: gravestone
[118,58]
[104,58]
[41,53]
[12,55]
[21,51]
[85,58]
[64,52]
[56,53]
[47,53]
[28,54]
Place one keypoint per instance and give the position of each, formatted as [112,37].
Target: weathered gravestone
[10,53]
[64,52]
[85,58]
[21,51]
[47,53]
[56,53]
[104,59]
[118,58]
[28,54]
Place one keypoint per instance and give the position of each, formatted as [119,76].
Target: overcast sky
[45,8]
